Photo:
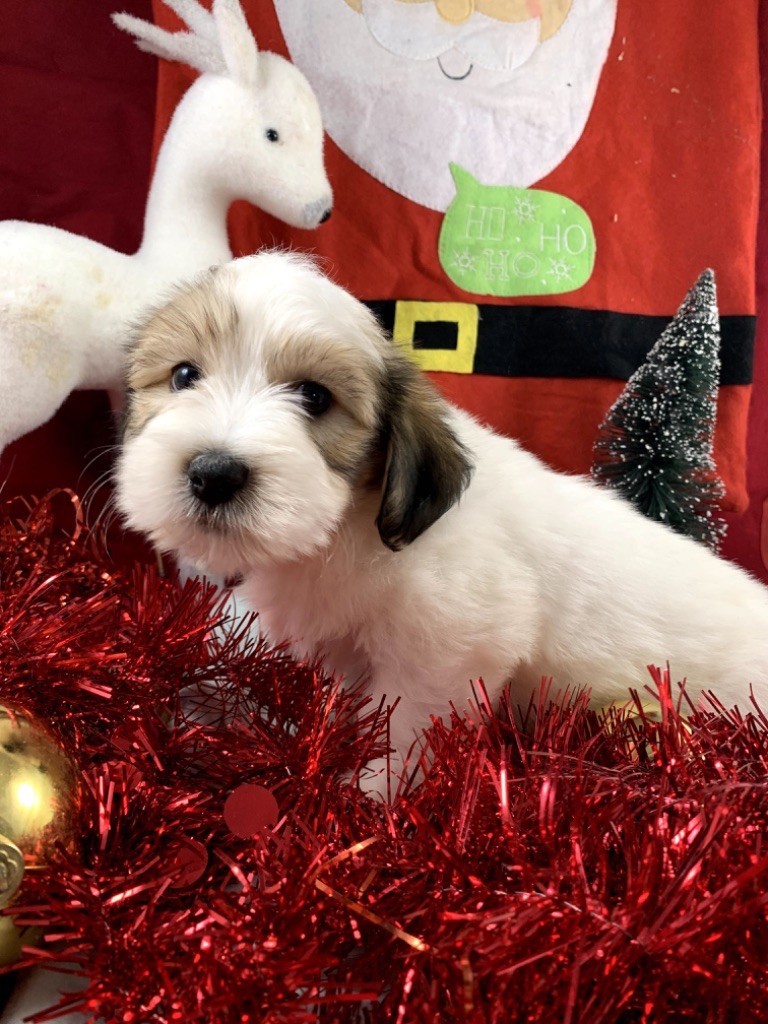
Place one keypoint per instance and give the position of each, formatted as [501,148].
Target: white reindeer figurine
[249,128]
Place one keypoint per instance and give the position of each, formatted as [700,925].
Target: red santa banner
[524,192]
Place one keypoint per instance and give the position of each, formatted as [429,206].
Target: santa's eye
[184,376]
[272,135]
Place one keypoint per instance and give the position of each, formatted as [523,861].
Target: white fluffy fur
[531,573]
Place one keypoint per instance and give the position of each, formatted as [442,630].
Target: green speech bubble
[502,240]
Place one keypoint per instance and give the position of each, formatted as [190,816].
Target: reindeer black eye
[314,397]
[184,376]
[272,135]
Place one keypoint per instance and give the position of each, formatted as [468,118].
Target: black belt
[544,341]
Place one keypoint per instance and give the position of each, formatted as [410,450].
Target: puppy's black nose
[215,477]
[326,215]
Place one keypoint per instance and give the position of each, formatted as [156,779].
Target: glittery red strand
[570,866]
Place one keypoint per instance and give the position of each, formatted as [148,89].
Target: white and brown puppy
[273,432]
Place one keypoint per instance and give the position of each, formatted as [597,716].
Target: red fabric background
[77,118]
[747,539]
[661,114]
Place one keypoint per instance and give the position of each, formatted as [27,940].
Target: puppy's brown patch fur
[347,433]
[191,328]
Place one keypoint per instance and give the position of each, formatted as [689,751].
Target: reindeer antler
[199,51]
[195,17]
[219,41]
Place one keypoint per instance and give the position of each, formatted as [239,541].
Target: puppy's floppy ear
[427,468]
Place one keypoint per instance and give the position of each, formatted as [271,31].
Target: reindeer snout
[216,477]
[318,211]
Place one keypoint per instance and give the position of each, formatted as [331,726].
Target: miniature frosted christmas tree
[655,444]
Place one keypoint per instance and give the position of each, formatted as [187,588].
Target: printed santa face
[495,34]
[502,88]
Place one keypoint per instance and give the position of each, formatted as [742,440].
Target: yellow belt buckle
[465,315]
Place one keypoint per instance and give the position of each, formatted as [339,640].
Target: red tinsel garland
[580,868]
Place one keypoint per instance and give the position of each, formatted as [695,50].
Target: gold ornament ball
[38,795]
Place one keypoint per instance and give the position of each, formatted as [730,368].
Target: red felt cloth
[665,169]
[747,539]
[77,117]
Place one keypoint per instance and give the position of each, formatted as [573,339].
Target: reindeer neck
[185,224]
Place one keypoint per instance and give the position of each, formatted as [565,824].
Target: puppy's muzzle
[216,477]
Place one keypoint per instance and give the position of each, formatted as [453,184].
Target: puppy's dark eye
[314,397]
[184,376]
[272,135]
